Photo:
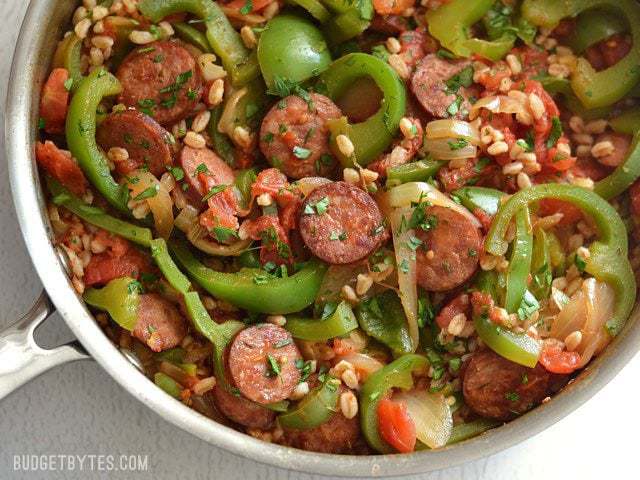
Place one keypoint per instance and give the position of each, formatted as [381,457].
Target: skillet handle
[22,359]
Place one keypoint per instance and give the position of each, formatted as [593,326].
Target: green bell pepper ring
[519,262]
[253,289]
[169,269]
[315,9]
[193,36]
[315,408]
[382,317]
[96,216]
[628,122]
[450,23]
[397,374]
[120,298]
[81,135]
[345,26]
[541,267]
[339,323]
[492,50]
[608,261]
[517,347]
[594,89]
[237,60]
[419,171]
[624,175]
[292,48]
[594,26]
[68,55]
[485,199]
[372,136]
[562,86]
[168,384]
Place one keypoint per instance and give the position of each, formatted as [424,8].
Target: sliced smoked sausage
[202,161]
[147,143]
[294,136]
[242,411]
[455,243]
[429,85]
[162,80]
[160,325]
[620,143]
[495,387]
[262,363]
[341,223]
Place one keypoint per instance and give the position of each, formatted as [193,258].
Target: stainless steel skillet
[21,359]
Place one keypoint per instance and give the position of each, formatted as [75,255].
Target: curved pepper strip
[464,431]
[253,289]
[486,199]
[192,36]
[450,23]
[541,274]
[594,26]
[315,9]
[491,49]
[624,175]
[339,323]
[239,62]
[608,261]
[68,56]
[555,85]
[168,384]
[81,135]
[397,374]
[628,122]
[169,269]
[519,262]
[372,136]
[315,408]
[118,299]
[96,216]
[419,171]
[594,89]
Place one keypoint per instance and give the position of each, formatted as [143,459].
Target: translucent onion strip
[452,129]
[160,203]
[308,184]
[229,114]
[431,415]
[496,104]
[450,149]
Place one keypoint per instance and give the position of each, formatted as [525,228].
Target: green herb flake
[512,396]
[68,84]
[301,152]
[457,144]
[177,173]
[247,8]
[135,287]
[274,366]
[202,168]
[150,192]
[214,191]
[556,132]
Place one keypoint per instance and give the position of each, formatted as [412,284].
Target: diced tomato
[390,24]
[392,7]
[460,304]
[415,44]
[61,166]
[275,241]
[557,161]
[472,171]
[608,52]
[343,347]
[121,259]
[556,360]
[223,206]
[570,213]
[634,194]
[256,5]
[492,78]
[533,61]
[481,302]
[54,101]
[396,426]
[484,218]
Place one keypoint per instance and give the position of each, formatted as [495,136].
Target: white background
[79,409]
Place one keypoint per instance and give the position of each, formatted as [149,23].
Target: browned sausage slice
[294,136]
[162,80]
[147,143]
[455,243]
[429,85]
[160,326]
[620,144]
[262,363]
[242,411]
[195,161]
[495,387]
[341,223]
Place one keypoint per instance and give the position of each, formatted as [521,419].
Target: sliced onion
[308,184]
[431,415]
[229,114]
[364,364]
[496,104]
[445,149]
[160,204]
[413,192]
[588,311]
[187,222]
[452,129]
[407,268]
[337,276]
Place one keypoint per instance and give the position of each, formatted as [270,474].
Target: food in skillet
[350,227]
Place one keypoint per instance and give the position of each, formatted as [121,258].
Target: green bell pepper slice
[238,61]
[397,374]
[483,198]
[244,180]
[315,408]
[193,36]
[168,384]
[624,175]
[562,86]
[292,48]
[345,26]
[491,49]
[68,56]
[167,266]
[465,431]
[337,324]
[627,122]
[96,216]
[81,135]
[253,289]
[594,89]
[120,298]
[314,7]
[519,262]
[593,26]
[221,142]
[608,261]
[382,317]
[372,136]
[419,171]
[541,266]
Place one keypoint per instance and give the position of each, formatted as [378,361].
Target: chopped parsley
[580,263]
[458,144]
[464,78]
[404,266]
[320,207]
[147,105]
[135,287]
[445,54]
[454,108]
[177,173]
[224,234]
[158,58]
[301,152]
[268,138]
[556,132]
[150,192]
[282,343]
[247,8]
[214,191]
[512,396]
[274,366]
[202,168]
[68,84]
